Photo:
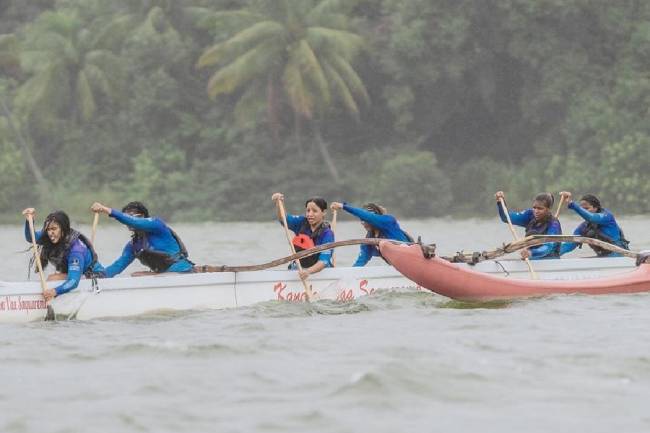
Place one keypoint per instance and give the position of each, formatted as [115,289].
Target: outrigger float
[458,281]
[221,287]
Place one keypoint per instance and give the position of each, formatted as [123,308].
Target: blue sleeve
[294,222]
[326,256]
[143,224]
[28,233]
[596,218]
[76,264]
[382,222]
[518,218]
[365,254]
[121,263]
[567,247]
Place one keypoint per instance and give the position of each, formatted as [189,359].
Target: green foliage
[474,183]
[522,96]
[412,185]
[302,47]
[13,175]
[624,173]
[158,178]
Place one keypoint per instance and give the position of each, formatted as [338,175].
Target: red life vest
[303,241]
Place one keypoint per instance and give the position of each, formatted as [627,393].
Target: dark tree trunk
[27,153]
[324,151]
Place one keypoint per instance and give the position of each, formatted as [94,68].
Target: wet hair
[592,200]
[375,208]
[47,248]
[546,198]
[318,201]
[62,219]
[136,207]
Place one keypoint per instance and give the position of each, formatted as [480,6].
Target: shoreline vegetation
[205,107]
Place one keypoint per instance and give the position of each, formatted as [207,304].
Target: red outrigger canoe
[458,282]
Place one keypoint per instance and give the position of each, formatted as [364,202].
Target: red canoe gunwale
[459,282]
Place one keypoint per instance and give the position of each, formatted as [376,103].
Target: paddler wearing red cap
[310,230]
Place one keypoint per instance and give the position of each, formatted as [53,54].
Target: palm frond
[253,63]
[84,97]
[311,70]
[112,35]
[328,7]
[351,78]
[342,42]
[228,19]
[299,97]
[250,105]
[241,42]
[341,90]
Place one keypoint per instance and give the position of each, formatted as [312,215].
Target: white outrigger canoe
[132,296]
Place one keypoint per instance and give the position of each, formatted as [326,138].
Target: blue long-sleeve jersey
[159,237]
[604,220]
[79,260]
[294,222]
[386,225]
[522,219]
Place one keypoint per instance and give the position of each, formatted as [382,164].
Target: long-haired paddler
[310,230]
[599,223]
[153,242]
[378,224]
[69,251]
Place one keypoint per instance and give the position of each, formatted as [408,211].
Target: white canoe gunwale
[128,296]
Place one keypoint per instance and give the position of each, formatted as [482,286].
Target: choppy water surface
[388,363]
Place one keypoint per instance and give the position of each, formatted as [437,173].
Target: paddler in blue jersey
[599,223]
[378,224]
[69,251]
[310,230]
[538,220]
[153,242]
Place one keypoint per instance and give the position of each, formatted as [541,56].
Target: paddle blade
[50,316]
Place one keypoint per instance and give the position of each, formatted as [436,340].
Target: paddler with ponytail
[599,223]
[310,230]
[538,220]
[69,251]
[153,242]
[378,224]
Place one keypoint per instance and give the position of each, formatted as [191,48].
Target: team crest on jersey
[75,264]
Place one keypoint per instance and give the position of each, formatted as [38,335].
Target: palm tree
[296,51]
[74,71]
[10,65]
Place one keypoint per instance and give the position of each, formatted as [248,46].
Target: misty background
[203,108]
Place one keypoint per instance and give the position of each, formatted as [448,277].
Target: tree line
[204,107]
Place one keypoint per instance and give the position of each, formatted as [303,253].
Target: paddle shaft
[37,257]
[95,222]
[333,228]
[514,235]
[283,214]
[559,206]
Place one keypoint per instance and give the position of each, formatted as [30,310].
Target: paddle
[95,222]
[514,235]
[559,206]
[333,228]
[283,214]
[50,311]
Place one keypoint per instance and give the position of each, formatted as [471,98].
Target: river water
[387,363]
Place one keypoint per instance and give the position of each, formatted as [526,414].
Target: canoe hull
[458,281]
[122,297]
